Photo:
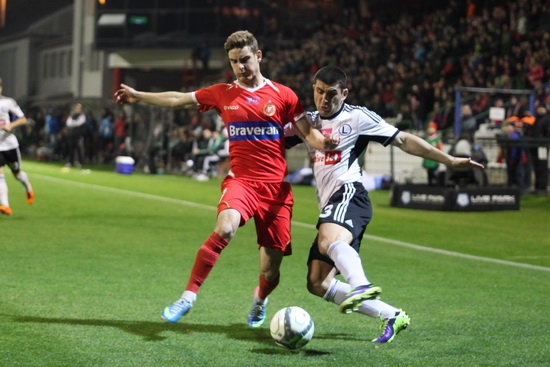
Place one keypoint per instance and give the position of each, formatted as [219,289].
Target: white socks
[348,262]
[22,177]
[189,296]
[3,191]
[337,291]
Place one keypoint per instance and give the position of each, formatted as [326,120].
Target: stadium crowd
[410,66]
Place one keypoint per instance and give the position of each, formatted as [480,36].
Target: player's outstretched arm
[127,94]
[414,145]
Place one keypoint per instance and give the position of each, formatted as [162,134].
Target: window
[70,63]
[92,58]
[45,65]
[61,64]
[53,64]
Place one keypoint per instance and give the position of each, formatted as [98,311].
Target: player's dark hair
[241,39]
[332,75]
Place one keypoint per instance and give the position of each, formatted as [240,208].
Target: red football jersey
[254,118]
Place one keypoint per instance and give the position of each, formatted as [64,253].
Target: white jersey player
[344,202]
[9,150]
[355,126]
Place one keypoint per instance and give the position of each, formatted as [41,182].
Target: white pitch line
[299,224]
[441,252]
[125,192]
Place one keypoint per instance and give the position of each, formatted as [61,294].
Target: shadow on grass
[283,351]
[151,331]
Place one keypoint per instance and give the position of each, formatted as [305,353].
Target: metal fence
[155,136]
[402,168]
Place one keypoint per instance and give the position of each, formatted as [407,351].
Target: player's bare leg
[4,203]
[270,263]
[334,242]
[207,255]
[24,179]
[321,282]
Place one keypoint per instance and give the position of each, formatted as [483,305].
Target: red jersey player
[254,111]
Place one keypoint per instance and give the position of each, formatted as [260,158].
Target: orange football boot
[5,210]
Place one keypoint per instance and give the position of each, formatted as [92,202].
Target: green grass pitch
[86,270]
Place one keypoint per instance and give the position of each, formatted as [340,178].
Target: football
[291,327]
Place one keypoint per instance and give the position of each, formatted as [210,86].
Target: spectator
[414,108]
[431,166]
[467,148]
[201,53]
[201,148]
[106,136]
[91,137]
[158,153]
[468,123]
[181,145]
[120,132]
[51,128]
[217,151]
[540,153]
[536,73]
[76,130]
[515,156]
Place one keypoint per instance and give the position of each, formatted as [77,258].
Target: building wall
[14,68]
[55,71]
[88,64]
[55,58]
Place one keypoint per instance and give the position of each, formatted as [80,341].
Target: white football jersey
[8,140]
[356,126]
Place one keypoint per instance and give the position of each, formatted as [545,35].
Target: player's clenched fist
[331,141]
[126,94]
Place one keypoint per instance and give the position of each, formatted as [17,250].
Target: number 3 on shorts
[327,211]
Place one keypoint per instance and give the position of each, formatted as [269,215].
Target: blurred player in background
[254,110]
[344,202]
[9,150]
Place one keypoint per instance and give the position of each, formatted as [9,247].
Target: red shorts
[270,204]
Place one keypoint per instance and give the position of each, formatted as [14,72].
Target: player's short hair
[241,39]
[331,75]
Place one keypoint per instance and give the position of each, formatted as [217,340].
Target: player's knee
[227,223]
[271,276]
[225,233]
[315,287]
[225,229]
[323,245]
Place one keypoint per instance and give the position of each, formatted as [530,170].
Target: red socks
[204,262]
[206,258]
[267,287]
